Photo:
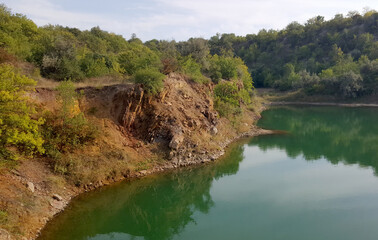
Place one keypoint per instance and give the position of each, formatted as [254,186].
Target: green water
[316,182]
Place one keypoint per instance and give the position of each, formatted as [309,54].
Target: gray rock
[176,141]
[213,130]
[30,186]
[57,197]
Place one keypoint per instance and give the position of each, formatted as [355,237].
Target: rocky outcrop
[179,125]
[169,118]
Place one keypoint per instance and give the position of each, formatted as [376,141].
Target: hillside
[334,57]
[138,134]
[83,109]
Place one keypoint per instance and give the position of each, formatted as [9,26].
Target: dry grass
[103,81]
[46,83]
[89,82]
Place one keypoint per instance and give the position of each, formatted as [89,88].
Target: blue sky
[181,19]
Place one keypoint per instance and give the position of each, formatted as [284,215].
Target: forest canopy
[338,56]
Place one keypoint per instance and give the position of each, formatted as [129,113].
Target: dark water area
[318,181]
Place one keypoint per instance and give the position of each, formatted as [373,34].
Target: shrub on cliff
[67,129]
[226,98]
[193,70]
[151,79]
[18,128]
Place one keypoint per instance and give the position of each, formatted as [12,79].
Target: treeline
[338,56]
[63,53]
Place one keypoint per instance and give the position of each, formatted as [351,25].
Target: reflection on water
[337,134]
[262,189]
[156,207]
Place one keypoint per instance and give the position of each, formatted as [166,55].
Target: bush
[225,109]
[68,129]
[3,217]
[193,70]
[64,136]
[151,79]
[350,85]
[228,97]
[225,67]
[18,129]
[227,92]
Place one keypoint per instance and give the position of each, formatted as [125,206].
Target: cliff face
[139,134]
[177,120]
[180,111]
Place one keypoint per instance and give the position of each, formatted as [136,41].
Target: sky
[181,19]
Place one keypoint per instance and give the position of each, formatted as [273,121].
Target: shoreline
[169,165]
[56,207]
[324,104]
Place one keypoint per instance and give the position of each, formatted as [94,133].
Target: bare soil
[139,135]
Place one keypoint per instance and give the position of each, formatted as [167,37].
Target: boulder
[57,204]
[30,186]
[176,141]
[213,130]
[57,197]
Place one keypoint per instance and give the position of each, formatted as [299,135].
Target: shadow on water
[323,132]
[155,207]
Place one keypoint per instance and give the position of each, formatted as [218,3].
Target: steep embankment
[138,135]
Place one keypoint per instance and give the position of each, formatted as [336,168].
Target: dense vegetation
[25,130]
[339,56]
[17,126]
[70,55]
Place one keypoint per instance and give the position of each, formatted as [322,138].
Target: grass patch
[3,217]
[143,165]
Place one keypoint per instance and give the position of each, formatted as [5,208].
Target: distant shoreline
[325,104]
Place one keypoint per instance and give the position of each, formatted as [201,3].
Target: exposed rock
[57,204]
[57,197]
[30,186]
[176,141]
[213,130]
[15,172]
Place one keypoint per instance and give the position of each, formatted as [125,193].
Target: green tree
[197,48]
[137,57]
[17,33]
[18,127]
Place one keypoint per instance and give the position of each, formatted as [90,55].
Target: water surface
[316,182]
